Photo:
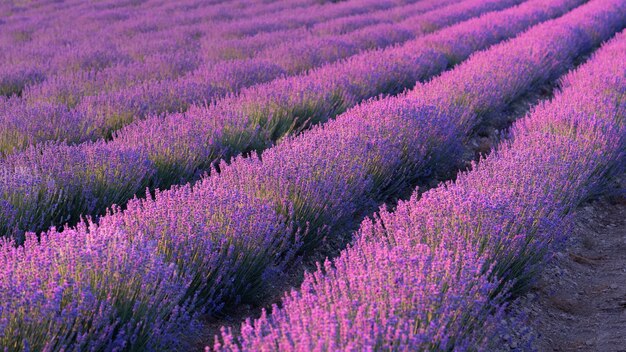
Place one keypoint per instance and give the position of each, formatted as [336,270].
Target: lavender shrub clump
[476,240]
[96,291]
[380,297]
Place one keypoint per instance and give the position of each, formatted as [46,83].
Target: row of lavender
[198,248]
[54,183]
[240,48]
[94,105]
[23,22]
[131,35]
[51,29]
[430,275]
[119,107]
[91,32]
[150,44]
[194,26]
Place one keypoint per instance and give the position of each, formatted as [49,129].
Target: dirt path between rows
[579,302]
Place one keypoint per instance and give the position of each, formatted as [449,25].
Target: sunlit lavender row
[139,83]
[91,32]
[432,275]
[144,23]
[54,183]
[198,249]
[95,105]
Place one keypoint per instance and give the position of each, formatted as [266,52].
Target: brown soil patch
[579,302]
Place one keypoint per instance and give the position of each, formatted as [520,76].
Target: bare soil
[579,302]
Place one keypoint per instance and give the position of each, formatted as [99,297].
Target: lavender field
[297,175]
